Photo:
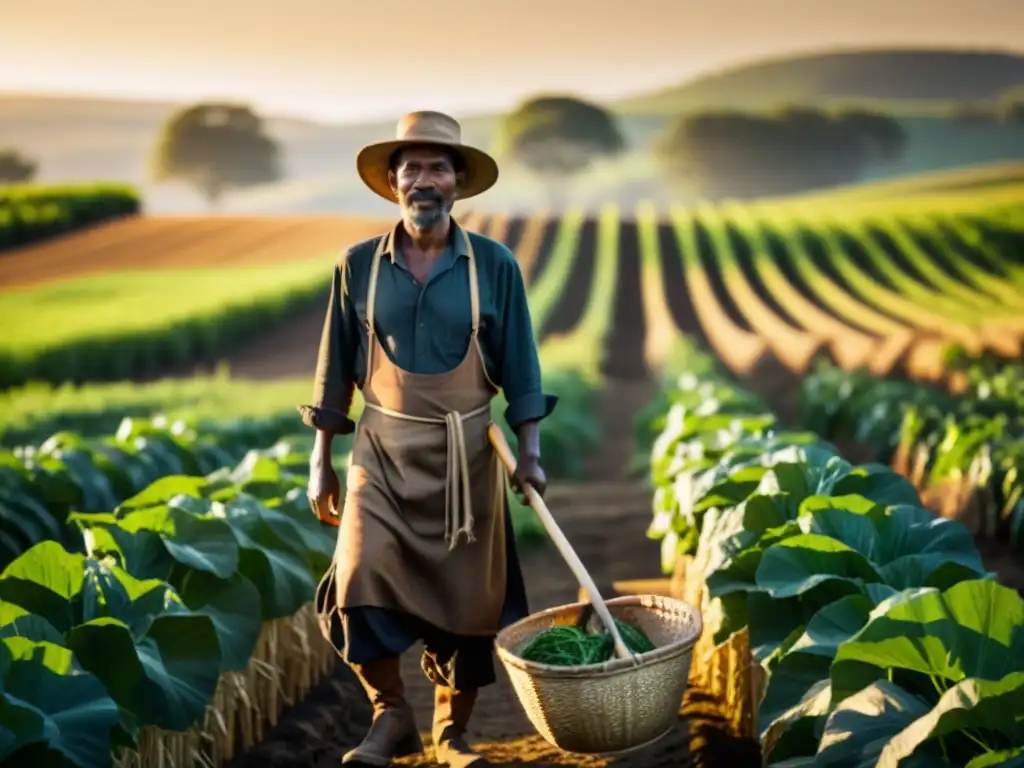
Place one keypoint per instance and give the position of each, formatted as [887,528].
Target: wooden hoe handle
[501,446]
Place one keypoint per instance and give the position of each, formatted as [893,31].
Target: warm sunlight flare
[619,385]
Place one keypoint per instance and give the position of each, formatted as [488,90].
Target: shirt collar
[457,238]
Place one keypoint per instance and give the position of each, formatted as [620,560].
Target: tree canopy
[216,147]
[15,167]
[559,135]
[740,155]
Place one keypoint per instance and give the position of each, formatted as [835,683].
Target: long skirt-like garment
[368,633]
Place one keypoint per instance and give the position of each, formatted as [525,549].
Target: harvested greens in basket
[573,645]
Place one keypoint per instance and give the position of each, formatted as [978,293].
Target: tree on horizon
[217,147]
[16,167]
[557,138]
[732,154]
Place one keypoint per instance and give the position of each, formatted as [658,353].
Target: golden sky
[354,59]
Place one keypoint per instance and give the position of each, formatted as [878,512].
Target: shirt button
[422,324]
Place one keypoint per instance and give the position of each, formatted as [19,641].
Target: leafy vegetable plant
[170,593]
[883,639]
[967,447]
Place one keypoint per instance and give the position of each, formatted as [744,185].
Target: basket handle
[501,446]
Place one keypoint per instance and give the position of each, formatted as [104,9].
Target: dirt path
[606,520]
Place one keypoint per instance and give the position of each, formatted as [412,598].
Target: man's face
[426,185]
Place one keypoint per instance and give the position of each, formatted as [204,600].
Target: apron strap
[371,305]
[474,282]
[371,288]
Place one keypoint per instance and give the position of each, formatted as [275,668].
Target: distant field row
[886,283]
[976,178]
[175,242]
[31,212]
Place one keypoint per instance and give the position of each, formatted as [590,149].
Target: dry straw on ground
[727,673]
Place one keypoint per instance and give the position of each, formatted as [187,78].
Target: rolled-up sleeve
[334,382]
[519,362]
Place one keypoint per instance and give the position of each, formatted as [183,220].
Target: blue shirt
[427,328]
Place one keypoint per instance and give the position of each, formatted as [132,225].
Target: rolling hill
[872,75]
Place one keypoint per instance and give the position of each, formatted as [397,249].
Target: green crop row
[122,325]
[968,446]
[42,485]
[261,409]
[883,640]
[111,622]
[170,594]
[29,213]
[584,347]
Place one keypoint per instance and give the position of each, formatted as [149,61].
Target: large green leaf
[862,725]
[763,512]
[281,575]
[1004,758]
[261,476]
[791,734]
[304,535]
[808,659]
[233,606]
[158,660]
[973,629]
[43,581]
[904,547]
[161,491]
[22,514]
[795,565]
[43,652]
[60,711]
[710,489]
[15,621]
[141,553]
[805,663]
[201,541]
[74,458]
[743,534]
[801,470]
[879,484]
[971,705]
[776,624]
[887,534]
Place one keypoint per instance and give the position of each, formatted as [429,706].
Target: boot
[393,732]
[452,710]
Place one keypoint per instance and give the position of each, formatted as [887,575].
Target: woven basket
[615,707]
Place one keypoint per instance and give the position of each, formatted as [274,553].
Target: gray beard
[425,219]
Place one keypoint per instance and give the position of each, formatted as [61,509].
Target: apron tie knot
[458,505]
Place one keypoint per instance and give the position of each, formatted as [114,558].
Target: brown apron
[422,528]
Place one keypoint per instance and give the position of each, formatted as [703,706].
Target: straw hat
[431,128]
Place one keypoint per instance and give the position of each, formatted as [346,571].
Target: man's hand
[323,490]
[529,472]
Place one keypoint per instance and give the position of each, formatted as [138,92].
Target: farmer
[429,321]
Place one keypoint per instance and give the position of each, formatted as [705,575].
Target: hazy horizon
[484,61]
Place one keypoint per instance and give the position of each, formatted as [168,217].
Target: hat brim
[481,171]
